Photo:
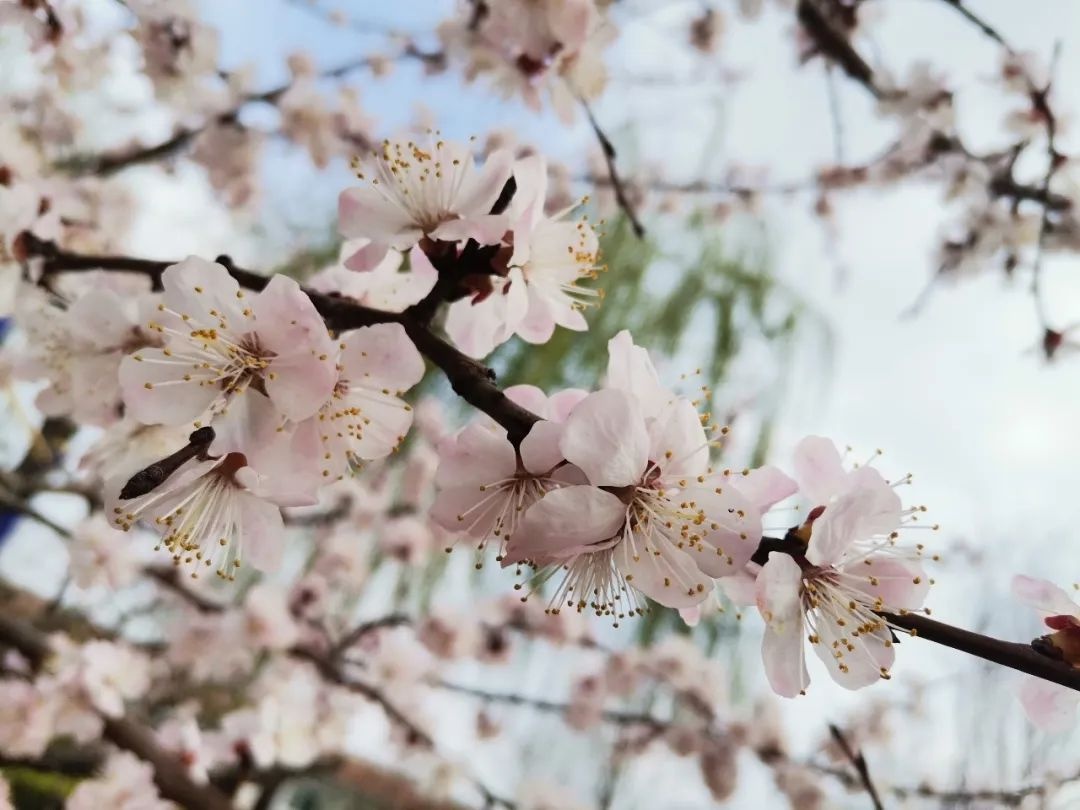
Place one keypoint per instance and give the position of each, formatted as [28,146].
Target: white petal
[1049,706]
[566,522]
[1046,597]
[606,438]
[540,449]
[678,443]
[782,647]
[818,470]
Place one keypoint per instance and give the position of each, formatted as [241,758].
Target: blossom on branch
[539,288]
[414,191]
[852,572]
[1049,706]
[649,517]
[223,354]
[486,484]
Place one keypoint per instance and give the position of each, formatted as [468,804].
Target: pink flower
[414,191]
[485,485]
[853,570]
[1050,706]
[364,418]
[540,291]
[209,513]
[79,349]
[221,355]
[127,784]
[100,555]
[649,518]
[270,624]
[386,286]
[26,719]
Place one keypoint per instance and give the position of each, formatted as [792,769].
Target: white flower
[364,417]
[101,555]
[223,354]
[415,191]
[127,784]
[208,514]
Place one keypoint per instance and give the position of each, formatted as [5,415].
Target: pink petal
[873,652]
[765,486]
[900,584]
[562,403]
[540,449]
[530,398]
[741,587]
[473,327]
[661,571]
[487,229]
[364,212]
[631,370]
[197,288]
[729,534]
[369,258]
[858,515]
[565,522]
[818,470]
[1045,597]
[381,356]
[782,646]
[468,509]
[605,437]
[477,455]
[483,187]
[1049,706]
[678,443]
[155,392]
[691,616]
[262,535]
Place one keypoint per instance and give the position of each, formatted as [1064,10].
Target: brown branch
[608,148]
[111,163]
[415,735]
[475,384]
[833,44]
[1021,657]
[362,629]
[169,773]
[858,762]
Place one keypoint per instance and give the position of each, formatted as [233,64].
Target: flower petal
[1045,597]
[631,370]
[1049,706]
[564,523]
[477,455]
[782,647]
[540,448]
[818,470]
[605,436]
[660,570]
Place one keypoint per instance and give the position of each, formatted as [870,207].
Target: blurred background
[806,306]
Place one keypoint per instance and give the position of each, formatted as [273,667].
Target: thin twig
[858,761]
[608,148]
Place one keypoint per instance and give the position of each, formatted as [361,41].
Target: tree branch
[474,383]
[858,762]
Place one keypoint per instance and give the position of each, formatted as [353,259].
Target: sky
[952,394]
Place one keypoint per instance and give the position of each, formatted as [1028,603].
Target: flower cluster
[290,407]
[512,267]
[533,49]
